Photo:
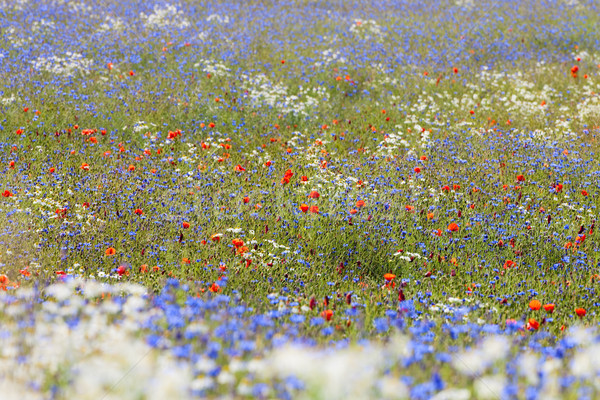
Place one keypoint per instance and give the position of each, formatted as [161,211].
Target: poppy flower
[353,211]
[110,251]
[304,178]
[453,227]
[85,167]
[327,314]
[532,324]
[417,170]
[535,305]
[508,264]
[314,195]
[389,277]
[237,242]
[549,308]
[558,188]
[287,176]
[138,211]
[214,288]
[455,187]
[7,193]
[185,225]
[360,203]
[520,178]
[122,270]
[239,168]
[216,237]
[211,125]
[580,312]
[246,200]
[446,188]
[304,208]
[584,193]
[314,209]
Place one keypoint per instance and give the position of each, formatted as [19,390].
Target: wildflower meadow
[299,199]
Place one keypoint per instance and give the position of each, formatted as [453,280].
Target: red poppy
[214,288]
[389,277]
[417,170]
[314,209]
[535,305]
[580,312]
[138,211]
[314,195]
[558,187]
[304,208]
[185,225]
[239,168]
[584,193]
[287,176]
[7,193]
[327,314]
[110,251]
[453,227]
[360,203]
[85,166]
[533,324]
[549,308]
[520,178]
[304,179]
[246,200]
[508,264]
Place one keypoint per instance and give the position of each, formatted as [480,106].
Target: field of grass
[301,199]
